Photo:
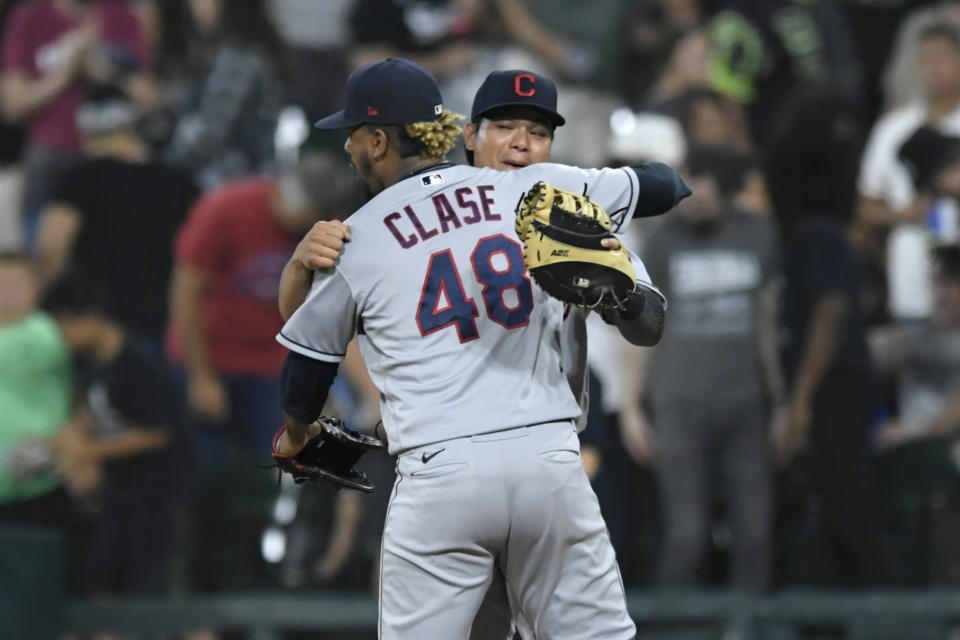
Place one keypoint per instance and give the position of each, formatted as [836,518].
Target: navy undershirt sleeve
[305,384]
[661,189]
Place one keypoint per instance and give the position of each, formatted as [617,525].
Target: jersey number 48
[443,301]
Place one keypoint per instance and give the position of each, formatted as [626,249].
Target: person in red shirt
[50,48]
[228,257]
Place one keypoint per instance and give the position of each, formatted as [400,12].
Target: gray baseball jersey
[453,332]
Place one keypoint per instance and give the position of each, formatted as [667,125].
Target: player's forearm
[823,340]
[20,97]
[294,286]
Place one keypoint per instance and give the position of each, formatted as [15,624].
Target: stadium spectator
[436,35]
[811,171]
[316,38]
[228,259]
[128,424]
[115,214]
[50,48]
[926,359]
[714,377]
[873,29]
[573,38]
[712,119]
[685,69]
[763,49]
[916,468]
[900,84]
[889,198]
[226,123]
[12,140]
[35,392]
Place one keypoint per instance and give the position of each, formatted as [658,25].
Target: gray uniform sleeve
[325,323]
[616,190]
[624,193]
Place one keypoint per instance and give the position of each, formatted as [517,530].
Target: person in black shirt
[115,215]
[128,426]
[762,49]
[811,172]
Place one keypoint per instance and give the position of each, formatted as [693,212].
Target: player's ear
[470,136]
[379,144]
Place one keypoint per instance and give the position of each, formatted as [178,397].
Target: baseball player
[474,401]
[512,124]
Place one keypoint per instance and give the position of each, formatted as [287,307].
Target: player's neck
[407,167]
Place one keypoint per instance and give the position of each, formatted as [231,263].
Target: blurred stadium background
[157,165]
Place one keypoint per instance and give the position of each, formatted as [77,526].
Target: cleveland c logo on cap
[518,87]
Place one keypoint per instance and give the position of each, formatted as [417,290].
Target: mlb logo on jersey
[432,179]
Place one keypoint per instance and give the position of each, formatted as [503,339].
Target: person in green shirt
[35,398]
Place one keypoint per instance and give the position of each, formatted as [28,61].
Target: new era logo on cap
[438,109]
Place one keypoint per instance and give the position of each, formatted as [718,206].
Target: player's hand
[208,397]
[291,442]
[610,243]
[322,245]
[637,435]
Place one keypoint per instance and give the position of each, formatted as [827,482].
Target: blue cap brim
[338,120]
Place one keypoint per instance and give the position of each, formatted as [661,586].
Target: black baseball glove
[329,456]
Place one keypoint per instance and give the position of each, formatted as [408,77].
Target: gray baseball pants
[517,500]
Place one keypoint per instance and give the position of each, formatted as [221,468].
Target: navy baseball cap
[517,88]
[392,91]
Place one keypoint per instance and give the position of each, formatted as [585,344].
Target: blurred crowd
[796,425]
